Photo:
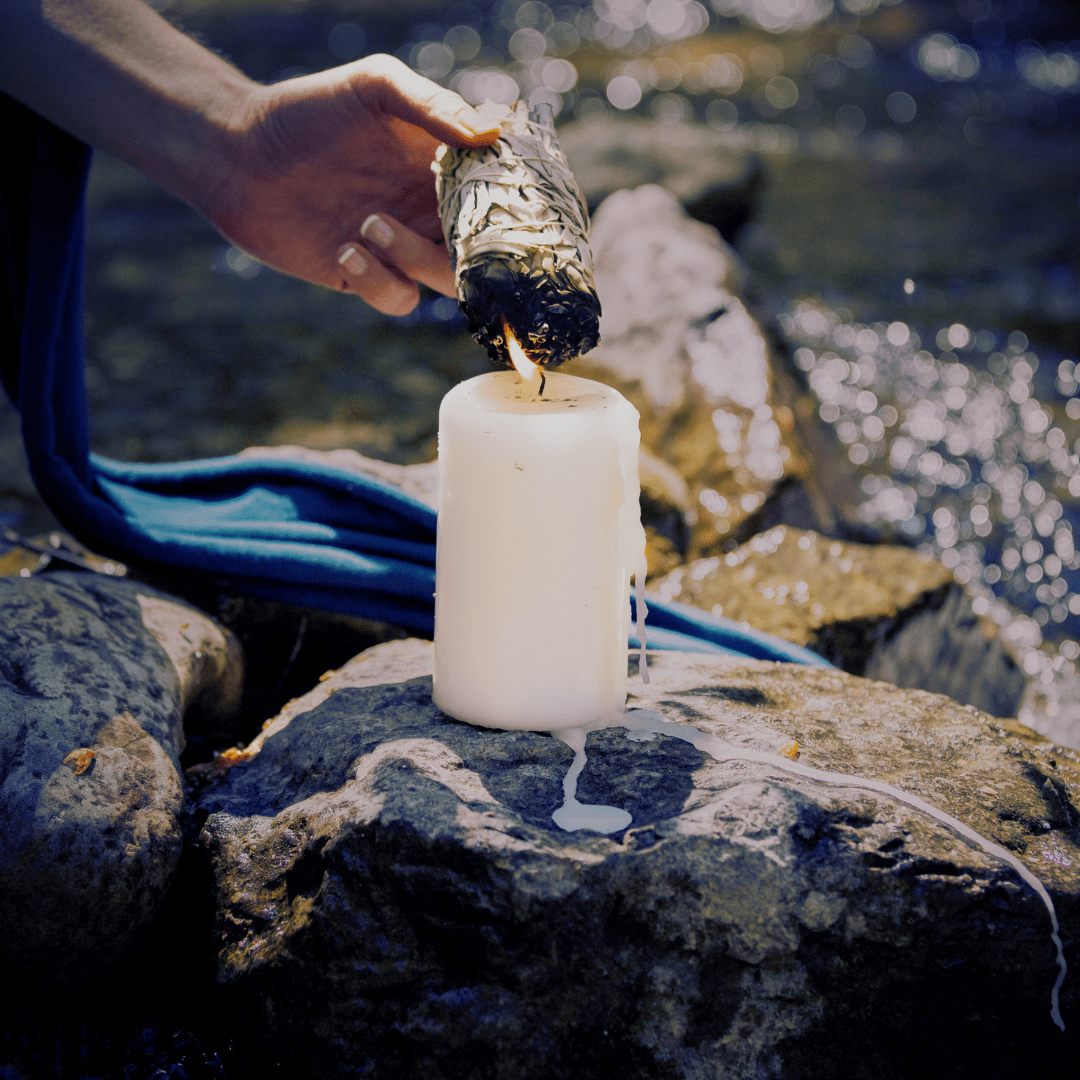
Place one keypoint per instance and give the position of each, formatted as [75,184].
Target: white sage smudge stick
[517,229]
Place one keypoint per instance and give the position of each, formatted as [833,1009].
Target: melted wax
[574,815]
[645,723]
[640,570]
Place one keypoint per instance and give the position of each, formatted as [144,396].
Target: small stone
[78,761]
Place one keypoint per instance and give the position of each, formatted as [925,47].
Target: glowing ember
[529,371]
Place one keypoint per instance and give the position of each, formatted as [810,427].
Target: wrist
[197,137]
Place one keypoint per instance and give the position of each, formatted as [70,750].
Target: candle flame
[529,371]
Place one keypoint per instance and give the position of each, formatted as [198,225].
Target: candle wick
[543,381]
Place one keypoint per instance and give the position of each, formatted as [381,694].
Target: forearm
[117,75]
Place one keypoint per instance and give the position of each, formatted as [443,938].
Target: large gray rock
[95,676]
[879,611]
[393,898]
[678,340]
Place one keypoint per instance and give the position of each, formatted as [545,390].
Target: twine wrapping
[517,229]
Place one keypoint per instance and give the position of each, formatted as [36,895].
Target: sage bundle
[517,230]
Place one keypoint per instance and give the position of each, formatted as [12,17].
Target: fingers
[360,272]
[384,266]
[414,255]
[394,88]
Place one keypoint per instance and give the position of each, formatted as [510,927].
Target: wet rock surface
[679,342]
[95,677]
[880,611]
[392,896]
[720,185]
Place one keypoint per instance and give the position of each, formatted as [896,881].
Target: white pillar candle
[539,532]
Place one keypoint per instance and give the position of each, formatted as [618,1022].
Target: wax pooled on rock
[574,815]
[641,569]
[640,721]
[643,724]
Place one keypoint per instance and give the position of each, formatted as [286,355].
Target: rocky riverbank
[370,881]
[366,883]
[390,890]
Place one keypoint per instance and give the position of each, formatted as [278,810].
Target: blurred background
[913,237]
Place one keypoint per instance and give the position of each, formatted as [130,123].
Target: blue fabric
[292,531]
[670,625]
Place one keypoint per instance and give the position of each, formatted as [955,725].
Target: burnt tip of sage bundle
[551,316]
[517,228]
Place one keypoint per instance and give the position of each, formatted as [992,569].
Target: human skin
[300,174]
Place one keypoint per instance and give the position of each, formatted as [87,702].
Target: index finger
[394,88]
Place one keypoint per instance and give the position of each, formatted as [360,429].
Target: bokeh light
[968,460]
[624,92]
[942,57]
[777,16]
[346,41]
[900,107]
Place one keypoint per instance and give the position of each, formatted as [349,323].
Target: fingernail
[377,231]
[352,260]
[477,122]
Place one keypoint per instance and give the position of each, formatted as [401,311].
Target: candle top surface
[507,392]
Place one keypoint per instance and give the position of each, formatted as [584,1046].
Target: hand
[331,180]
[291,173]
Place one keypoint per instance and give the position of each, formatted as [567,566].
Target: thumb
[394,88]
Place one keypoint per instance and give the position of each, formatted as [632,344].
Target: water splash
[968,443]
